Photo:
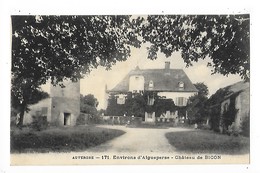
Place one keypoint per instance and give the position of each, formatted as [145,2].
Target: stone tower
[65,103]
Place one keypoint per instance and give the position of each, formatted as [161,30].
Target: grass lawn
[64,139]
[202,141]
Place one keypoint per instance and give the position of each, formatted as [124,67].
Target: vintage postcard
[130,89]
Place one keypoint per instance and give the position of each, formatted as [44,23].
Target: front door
[67,119]
[150,117]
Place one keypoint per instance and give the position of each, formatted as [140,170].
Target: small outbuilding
[234,107]
[62,108]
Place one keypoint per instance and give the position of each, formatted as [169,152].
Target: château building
[166,83]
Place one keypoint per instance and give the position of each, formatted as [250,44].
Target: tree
[64,47]
[101,112]
[202,89]
[197,108]
[135,105]
[88,104]
[223,38]
[68,47]
[161,104]
[218,96]
[89,100]
[114,109]
[88,109]
[24,92]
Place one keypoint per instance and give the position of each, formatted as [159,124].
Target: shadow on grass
[66,139]
[208,142]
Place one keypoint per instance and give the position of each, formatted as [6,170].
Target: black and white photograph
[130,89]
[129,86]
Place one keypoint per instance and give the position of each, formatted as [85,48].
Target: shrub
[229,117]
[82,119]
[39,123]
[233,130]
[205,126]
[215,118]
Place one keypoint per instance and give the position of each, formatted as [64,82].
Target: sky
[95,82]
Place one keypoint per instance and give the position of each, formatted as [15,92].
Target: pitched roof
[236,88]
[225,93]
[163,80]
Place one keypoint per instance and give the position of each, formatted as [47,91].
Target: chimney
[167,65]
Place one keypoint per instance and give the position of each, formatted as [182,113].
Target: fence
[122,120]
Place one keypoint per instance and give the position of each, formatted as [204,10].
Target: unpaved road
[135,142]
[138,140]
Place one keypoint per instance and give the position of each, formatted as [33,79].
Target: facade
[235,106]
[167,83]
[62,108]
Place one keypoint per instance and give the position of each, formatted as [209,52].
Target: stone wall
[243,106]
[62,106]
[42,108]
[65,103]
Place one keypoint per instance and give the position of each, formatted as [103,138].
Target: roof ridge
[235,83]
[160,69]
[162,81]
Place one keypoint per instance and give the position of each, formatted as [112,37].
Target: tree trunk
[20,123]
[21,114]
[207,123]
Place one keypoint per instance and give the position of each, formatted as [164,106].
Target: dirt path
[135,142]
[138,140]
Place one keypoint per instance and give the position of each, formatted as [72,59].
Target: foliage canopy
[68,47]
[197,107]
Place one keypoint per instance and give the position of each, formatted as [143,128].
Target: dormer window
[181,85]
[150,84]
[121,99]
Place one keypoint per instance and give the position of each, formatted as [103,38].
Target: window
[181,101]
[181,85]
[150,101]
[150,84]
[121,99]
[226,107]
